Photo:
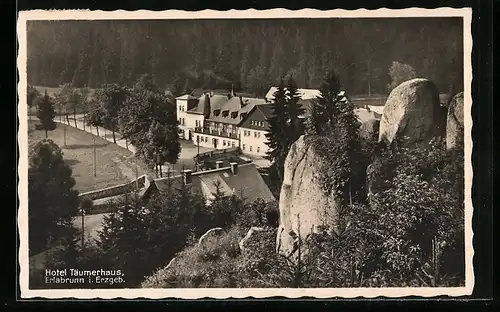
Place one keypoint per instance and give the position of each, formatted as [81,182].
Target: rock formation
[303,204]
[250,233]
[210,233]
[455,121]
[413,113]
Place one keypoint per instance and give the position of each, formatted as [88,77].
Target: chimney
[234,167]
[242,104]
[218,164]
[187,176]
[207,107]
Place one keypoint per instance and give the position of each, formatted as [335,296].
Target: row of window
[229,143]
[181,108]
[182,121]
[243,147]
[200,138]
[257,123]
[256,134]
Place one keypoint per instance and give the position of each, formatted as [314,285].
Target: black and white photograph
[227,154]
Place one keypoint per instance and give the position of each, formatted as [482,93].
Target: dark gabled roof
[162,184]
[247,182]
[260,113]
[235,110]
[216,102]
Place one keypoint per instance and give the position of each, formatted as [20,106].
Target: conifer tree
[333,118]
[46,114]
[326,106]
[177,87]
[52,199]
[278,138]
[32,97]
[295,110]
[187,87]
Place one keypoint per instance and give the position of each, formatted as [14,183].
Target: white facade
[214,141]
[253,142]
[187,121]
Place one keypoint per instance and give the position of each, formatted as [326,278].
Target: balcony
[220,133]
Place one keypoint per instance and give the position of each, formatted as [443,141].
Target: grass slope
[114,163]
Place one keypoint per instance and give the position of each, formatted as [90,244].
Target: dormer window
[217,112]
[225,113]
[234,114]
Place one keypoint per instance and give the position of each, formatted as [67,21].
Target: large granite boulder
[413,113]
[303,204]
[455,121]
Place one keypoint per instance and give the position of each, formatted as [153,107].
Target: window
[250,148]
[243,146]
[232,144]
[255,134]
[258,149]
[258,134]
[223,143]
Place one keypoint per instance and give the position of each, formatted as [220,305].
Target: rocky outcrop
[455,121]
[249,235]
[210,233]
[413,113]
[303,204]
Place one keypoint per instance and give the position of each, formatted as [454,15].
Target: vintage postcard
[239,154]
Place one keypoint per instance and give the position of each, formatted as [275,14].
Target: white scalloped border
[227,293]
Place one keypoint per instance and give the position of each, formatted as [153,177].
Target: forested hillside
[218,53]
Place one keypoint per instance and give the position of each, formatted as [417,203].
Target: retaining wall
[140,183]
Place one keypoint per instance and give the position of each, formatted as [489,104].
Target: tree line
[143,114]
[249,54]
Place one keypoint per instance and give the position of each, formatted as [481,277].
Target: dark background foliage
[218,53]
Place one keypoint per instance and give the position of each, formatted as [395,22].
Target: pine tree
[32,97]
[313,121]
[46,114]
[278,138]
[295,111]
[52,199]
[81,75]
[245,66]
[177,88]
[326,106]
[187,87]
[333,118]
